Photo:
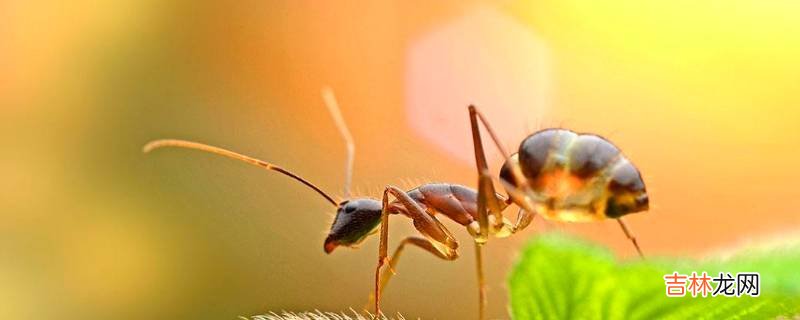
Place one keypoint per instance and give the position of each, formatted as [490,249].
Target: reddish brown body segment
[457,202]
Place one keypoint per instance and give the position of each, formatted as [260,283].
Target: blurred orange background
[702,96]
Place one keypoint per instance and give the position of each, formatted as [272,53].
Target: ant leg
[481,238]
[417,241]
[486,189]
[486,199]
[425,223]
[381,252]
[482,302]
[480,157]
[524,218]
[420,242]
[474,115]
[439,237]
[630,236]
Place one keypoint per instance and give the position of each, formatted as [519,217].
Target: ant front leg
[437,236]
[420,242]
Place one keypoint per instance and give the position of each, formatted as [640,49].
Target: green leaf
[558,277]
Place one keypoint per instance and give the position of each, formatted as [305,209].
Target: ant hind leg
[630,236]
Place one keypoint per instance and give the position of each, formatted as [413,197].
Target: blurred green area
[561,277]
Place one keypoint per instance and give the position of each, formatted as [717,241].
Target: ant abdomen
[583,155]
[576,177]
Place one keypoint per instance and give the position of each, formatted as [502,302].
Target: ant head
[355,220]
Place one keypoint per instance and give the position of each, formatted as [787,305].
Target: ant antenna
[155,144]
[336,113]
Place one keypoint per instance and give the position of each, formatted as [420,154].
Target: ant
[479,211]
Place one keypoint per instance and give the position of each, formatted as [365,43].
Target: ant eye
[349,209]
